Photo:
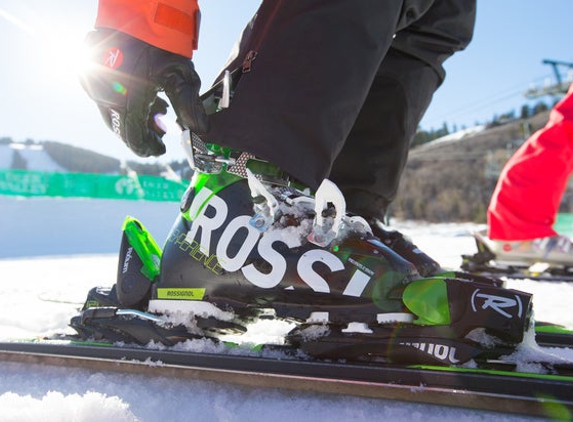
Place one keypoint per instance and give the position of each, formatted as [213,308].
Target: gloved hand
[124,77]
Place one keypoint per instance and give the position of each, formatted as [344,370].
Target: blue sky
[41,40]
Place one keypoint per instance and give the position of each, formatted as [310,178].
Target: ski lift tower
[557,89]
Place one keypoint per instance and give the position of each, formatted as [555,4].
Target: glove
[123,78]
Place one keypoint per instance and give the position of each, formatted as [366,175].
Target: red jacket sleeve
[172,25]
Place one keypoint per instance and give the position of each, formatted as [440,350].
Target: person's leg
[526,199]
[369,167]
[398,98]
[315,63]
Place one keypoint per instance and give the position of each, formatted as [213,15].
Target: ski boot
[251,243]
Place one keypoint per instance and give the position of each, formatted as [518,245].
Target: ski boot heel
[138,268]
[118,314]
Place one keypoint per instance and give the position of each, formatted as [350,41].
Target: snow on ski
[500,390]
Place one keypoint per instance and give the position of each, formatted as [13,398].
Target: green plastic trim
[58,341]
[554,409]
[218,181]
[549,377]
[446,274]
[214,182]
[428,300]
[553,329]
[145,246]
[252,348]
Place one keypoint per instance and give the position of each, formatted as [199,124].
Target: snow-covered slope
[459,135]
[33,155]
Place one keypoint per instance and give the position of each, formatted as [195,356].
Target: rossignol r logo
[506,306]
[113,58]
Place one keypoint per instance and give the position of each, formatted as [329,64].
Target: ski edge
[425,385]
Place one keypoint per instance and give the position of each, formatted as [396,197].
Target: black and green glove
[123,78]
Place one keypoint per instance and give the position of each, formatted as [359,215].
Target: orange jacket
[172,25]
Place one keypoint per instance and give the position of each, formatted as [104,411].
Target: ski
[552,335]
[496,389]
[484,263]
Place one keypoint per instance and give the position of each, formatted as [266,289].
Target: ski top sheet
[500,390]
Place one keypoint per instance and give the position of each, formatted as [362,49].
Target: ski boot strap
[213,159]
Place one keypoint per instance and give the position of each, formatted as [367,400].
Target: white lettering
[201,203]
[357,284]
[307,273]
[273,257]
[115,122]
[235,263]
[209,212]
[439,351]
[127,259]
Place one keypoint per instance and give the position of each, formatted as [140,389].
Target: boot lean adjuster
[198,155]
[201,159]
[205,161]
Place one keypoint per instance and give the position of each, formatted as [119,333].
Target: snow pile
[72,395]
[56,407]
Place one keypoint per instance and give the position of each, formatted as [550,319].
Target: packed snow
[456,136]
[41,291]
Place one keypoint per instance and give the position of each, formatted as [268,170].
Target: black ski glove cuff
[124,77]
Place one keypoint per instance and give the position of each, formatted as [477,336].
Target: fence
[86,185]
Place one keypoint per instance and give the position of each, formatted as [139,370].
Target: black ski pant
[337,88]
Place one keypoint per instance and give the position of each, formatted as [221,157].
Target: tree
[18,162]
[540,107]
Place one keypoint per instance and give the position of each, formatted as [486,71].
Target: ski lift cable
[515,91]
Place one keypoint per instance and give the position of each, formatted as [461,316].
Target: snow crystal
[314,332]
[480,336]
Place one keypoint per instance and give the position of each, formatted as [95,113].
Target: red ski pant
[530,188]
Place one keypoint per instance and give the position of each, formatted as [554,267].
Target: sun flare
[62,55]
[58,47]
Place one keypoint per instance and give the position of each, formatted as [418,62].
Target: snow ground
[40,293]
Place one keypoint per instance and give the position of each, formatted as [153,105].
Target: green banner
[564,224]
[87,185]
